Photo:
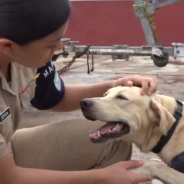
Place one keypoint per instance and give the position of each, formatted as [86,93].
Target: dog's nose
[86,103]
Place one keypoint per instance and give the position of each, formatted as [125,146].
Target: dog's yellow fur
[149,117]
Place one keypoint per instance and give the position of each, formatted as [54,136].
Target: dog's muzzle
[111,130]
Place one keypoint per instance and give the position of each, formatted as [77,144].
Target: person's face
[34,54]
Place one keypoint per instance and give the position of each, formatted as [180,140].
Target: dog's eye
[105,94]
[121,97]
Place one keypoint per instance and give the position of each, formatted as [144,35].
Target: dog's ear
[166,119]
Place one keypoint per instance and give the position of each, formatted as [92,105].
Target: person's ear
[166,119]
[6,46]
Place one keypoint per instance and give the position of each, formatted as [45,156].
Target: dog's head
[127,114]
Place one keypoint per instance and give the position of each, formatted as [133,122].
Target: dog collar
[164,139]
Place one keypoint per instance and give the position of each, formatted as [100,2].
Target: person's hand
[119,174]
[149,85]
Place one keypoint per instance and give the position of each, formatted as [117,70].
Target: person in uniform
[55,153]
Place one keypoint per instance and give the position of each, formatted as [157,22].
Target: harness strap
[164,139]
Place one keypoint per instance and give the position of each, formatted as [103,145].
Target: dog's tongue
[110,127]
[104,129]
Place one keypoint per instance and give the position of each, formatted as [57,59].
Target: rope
[150,17]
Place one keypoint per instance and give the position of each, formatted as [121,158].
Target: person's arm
[75,93]
[52,94]
[117,173]
[12,174]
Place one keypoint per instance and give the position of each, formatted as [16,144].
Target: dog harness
[178,162]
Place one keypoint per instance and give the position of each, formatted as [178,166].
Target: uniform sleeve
[3,147]
[50,88]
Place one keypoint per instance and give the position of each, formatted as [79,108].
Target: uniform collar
[15,71]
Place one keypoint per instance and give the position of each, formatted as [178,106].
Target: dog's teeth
[117,126]
[114,129]
[93,135]
[98,134]
[109,131]
[120,126]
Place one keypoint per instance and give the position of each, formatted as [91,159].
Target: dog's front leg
[160,171]
[149,182]
[145,169]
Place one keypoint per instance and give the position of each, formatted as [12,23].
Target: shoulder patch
[50,89]
[57,81]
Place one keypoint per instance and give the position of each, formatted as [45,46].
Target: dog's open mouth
[110,130]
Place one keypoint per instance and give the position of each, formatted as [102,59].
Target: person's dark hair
[24,21]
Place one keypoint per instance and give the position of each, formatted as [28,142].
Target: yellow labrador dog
[154,123]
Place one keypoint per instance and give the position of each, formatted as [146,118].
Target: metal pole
[145,24]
